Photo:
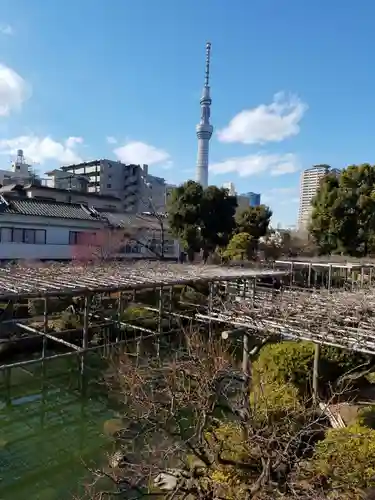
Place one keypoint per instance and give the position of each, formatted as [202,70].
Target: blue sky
[292,82]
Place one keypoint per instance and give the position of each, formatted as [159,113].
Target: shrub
[194,295]
[140,316]
[292,362]
[55,305]
[69,321]
[366,417]
[344,462]
[274,400]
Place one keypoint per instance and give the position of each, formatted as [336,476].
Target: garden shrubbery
[343,462]
[292,362]
[274,400]
[54,305]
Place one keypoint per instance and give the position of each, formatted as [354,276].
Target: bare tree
[191,430]
[102,245]
[158,250]
[159,216]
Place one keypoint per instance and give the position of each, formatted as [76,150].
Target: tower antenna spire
[207,71]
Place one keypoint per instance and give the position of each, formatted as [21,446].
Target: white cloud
[73,141]
[288,165]
[41,149]
[13,90]
[245,166]
[266,123]
[111,140]
[6,29]
[140,153]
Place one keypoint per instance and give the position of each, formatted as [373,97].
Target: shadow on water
[51,420]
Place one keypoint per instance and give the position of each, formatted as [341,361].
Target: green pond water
[51,425]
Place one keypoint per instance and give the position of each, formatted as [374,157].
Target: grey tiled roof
[45,208]
[131,220]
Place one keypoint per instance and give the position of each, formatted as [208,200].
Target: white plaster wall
[57,239]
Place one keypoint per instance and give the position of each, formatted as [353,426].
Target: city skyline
[132,91]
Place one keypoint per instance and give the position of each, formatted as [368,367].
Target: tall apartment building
[140,191]
[309,184]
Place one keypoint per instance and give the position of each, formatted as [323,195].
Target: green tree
[217,218]
[201,219]
[239,247]
[254,221]
[343,215]
[184,214]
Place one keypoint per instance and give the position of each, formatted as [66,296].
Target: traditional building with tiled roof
[42,229]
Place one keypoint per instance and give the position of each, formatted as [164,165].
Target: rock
[117,459]
[167,480]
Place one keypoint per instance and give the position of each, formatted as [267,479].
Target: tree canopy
[343,215]
[254,221]
[201,218]
[239,247]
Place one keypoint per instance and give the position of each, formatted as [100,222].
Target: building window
[109,186]
[6,235]
[29,236]
[74,237]
[18,235]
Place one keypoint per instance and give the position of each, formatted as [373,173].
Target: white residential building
[34,229]
[138,190]
[309,184]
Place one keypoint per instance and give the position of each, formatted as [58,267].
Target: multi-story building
[309,184]
[19,173]
[138,190]
[254,198]
[230,187]
[59,179]
[242,202]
